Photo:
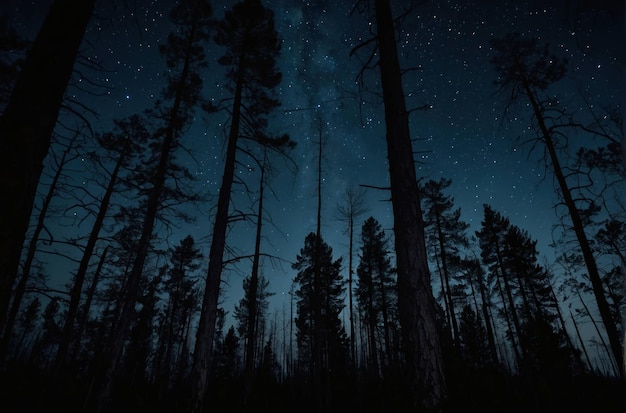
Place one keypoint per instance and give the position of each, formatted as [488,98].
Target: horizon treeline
[426,315]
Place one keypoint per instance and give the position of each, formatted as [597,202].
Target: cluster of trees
[435,316]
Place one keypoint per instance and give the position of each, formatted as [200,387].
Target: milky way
[462,133]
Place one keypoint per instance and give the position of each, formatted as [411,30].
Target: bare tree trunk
[26,128]
[253,288]
[415,298]
[561,319]
[615,368]
[352,208]
[79,279]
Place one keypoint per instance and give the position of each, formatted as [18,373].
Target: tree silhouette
[180,288]
[528,298]
[26,127]
[320,336]
[494,228]
[377,295]
[228,357]
[141,336]
[416,304]
[474,273]
[350,209]
[62,162]
[473,339]
[183,53]
[27,323]
[526,70]
[256,295]
[245,317]
[446,235]
[123,141]
[252,48]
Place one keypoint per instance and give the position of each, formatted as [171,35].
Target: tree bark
[415,298]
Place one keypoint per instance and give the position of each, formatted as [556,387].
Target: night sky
[465,134]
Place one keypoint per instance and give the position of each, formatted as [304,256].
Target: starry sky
[464,135]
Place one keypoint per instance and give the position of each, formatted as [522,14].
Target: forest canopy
[366,206]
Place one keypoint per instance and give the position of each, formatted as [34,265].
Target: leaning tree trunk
[26,127]
[75,293]
[89,297]
[415,298]
[131,290]
[579,229]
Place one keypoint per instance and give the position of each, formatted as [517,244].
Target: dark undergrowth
[27,389]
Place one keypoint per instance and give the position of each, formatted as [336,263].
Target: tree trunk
[485,307]
[203,351]
[415,299]
[582,342]
[20,288]
[91,292]
[385,313]
[26,127]
[372,324]
[446,280]
[616,368]
[579,229]
[129,298]
[350,301]
[251,328]
[131,289]
[79,279]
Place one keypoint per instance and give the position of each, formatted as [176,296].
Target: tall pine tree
[179,286]
[319,303]
[417,309]
[525,71]
[252,49]
[184,55]
[377,296]
[446,235]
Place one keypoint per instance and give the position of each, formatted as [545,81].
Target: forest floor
[30,390]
